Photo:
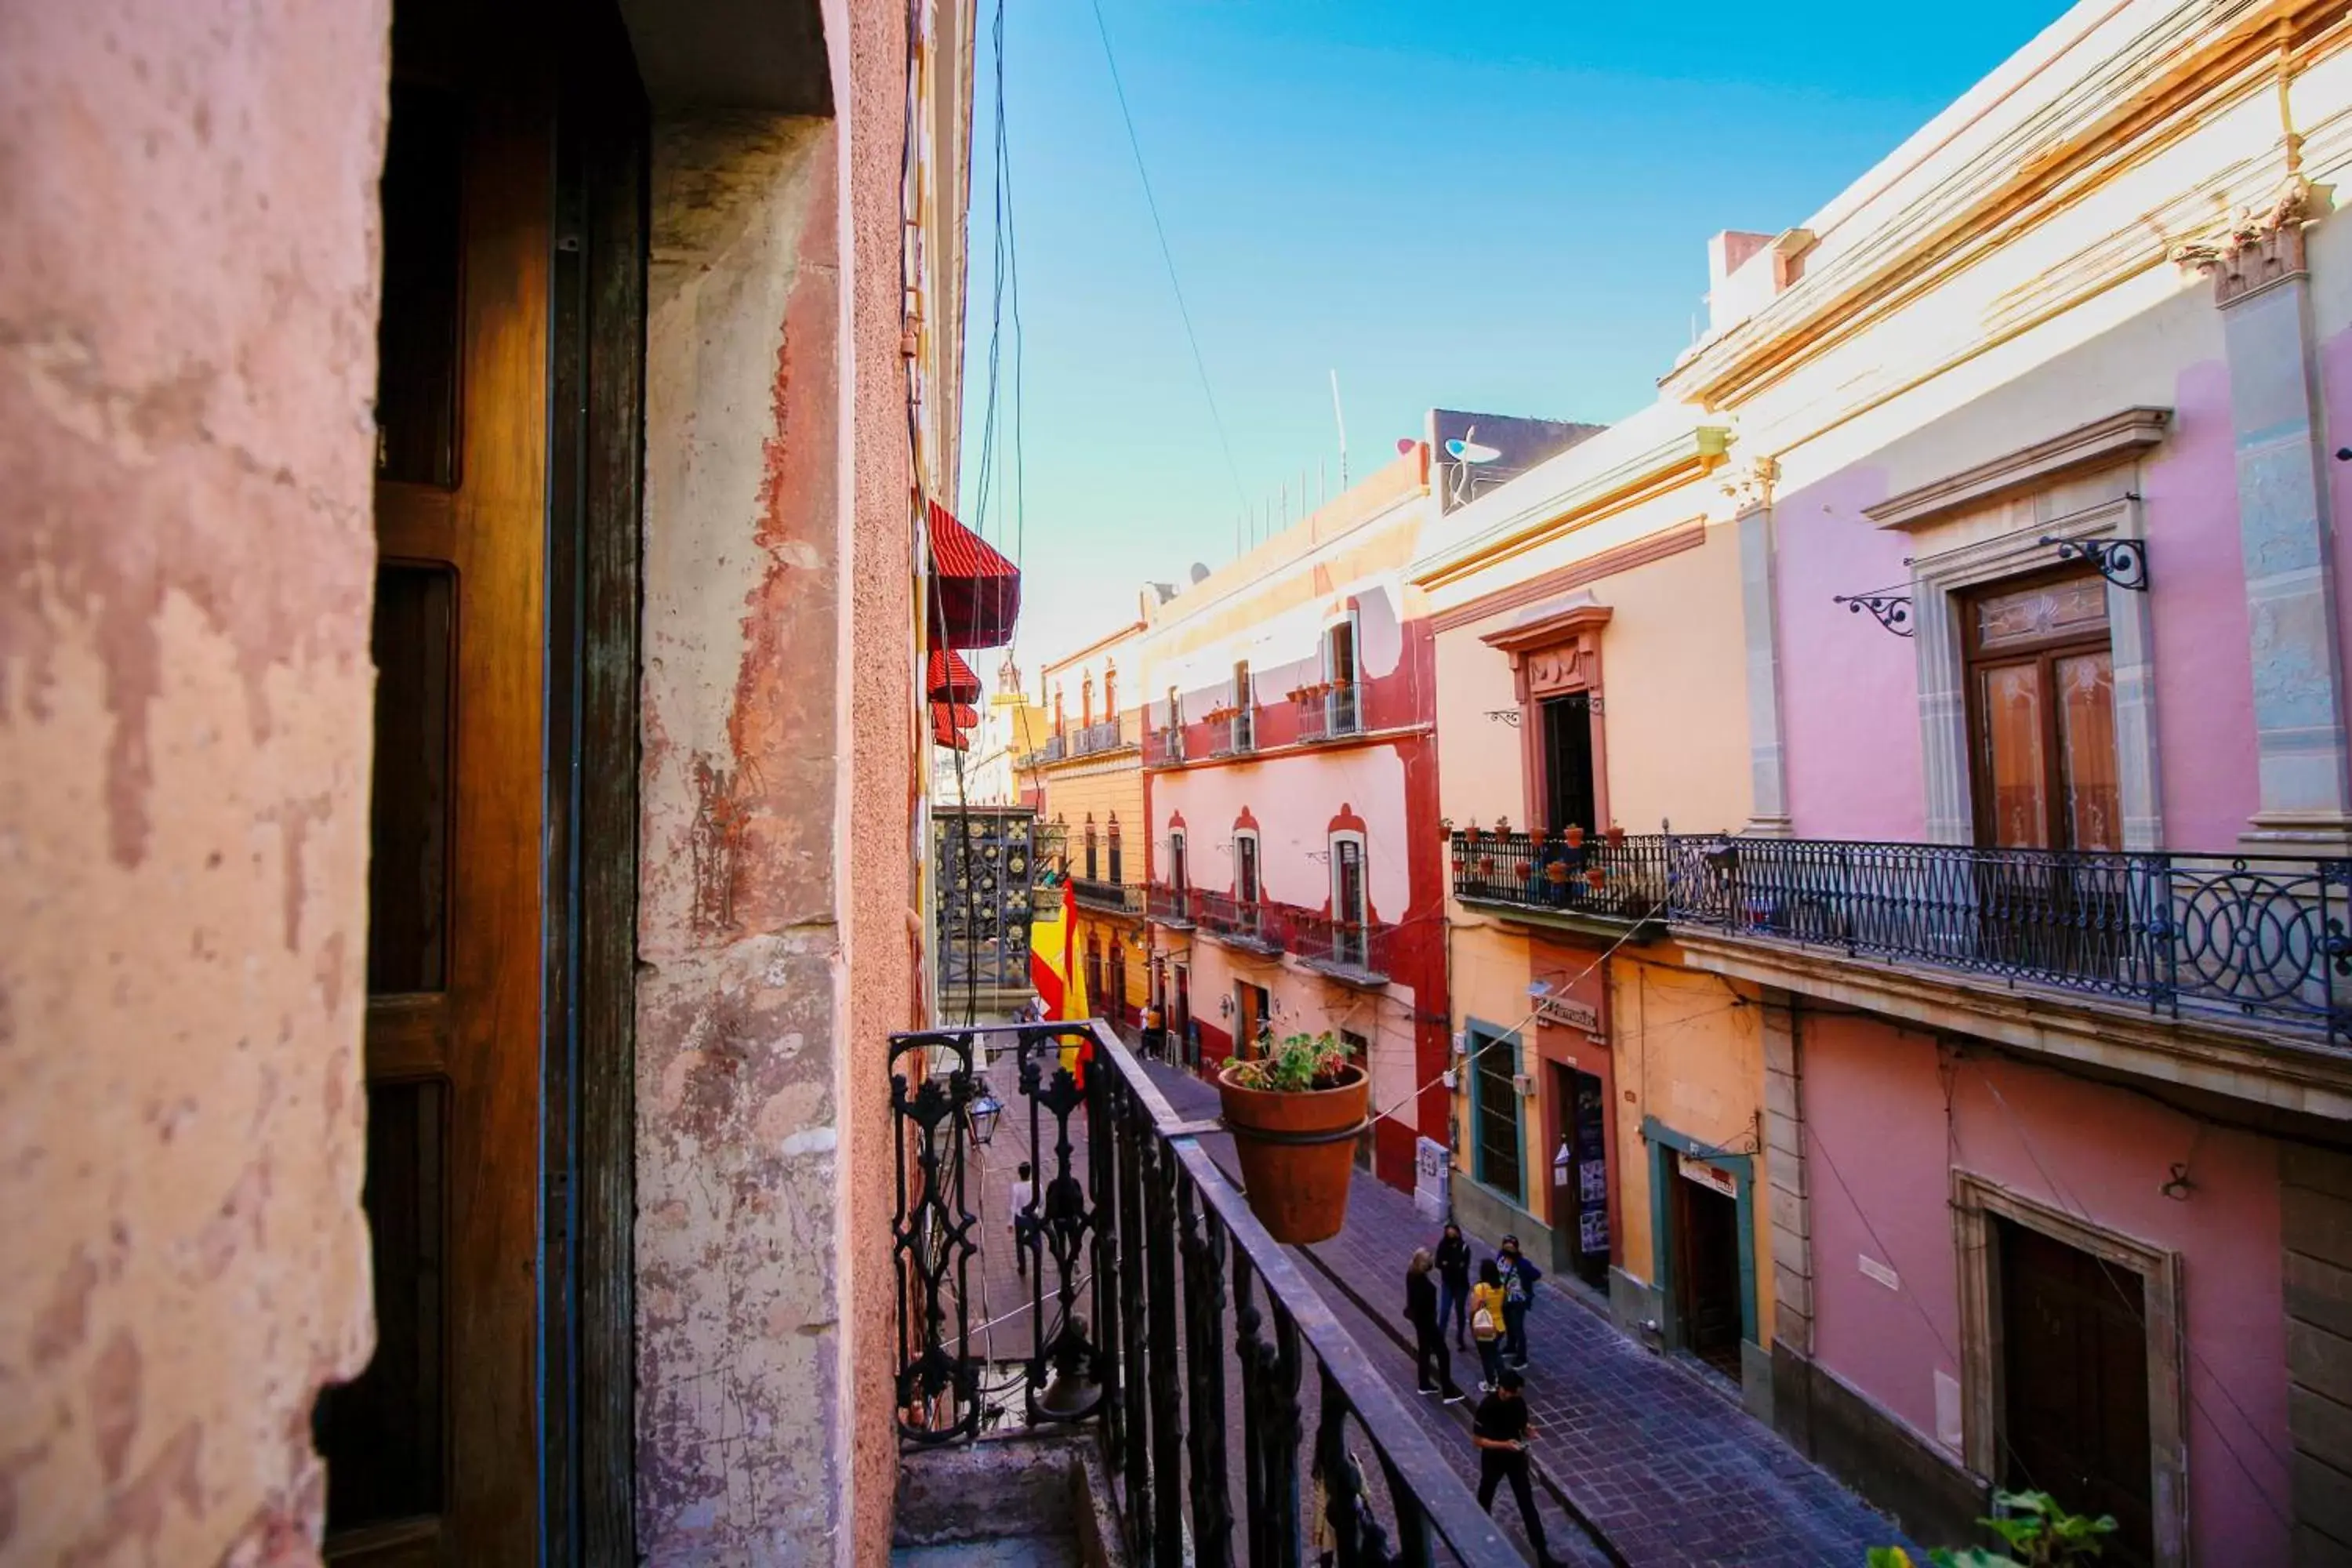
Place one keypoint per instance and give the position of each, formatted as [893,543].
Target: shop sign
[1706,1175]
[1569,1013]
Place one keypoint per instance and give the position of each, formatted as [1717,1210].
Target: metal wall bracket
[2122,561]
[1891,610]
[1505,716]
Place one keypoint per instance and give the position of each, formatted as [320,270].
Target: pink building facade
[2043,890]
[1289,758]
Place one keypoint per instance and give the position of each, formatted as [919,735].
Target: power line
[1199,365]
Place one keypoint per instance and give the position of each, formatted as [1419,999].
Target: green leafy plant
[1300,1063]
[2036,1531]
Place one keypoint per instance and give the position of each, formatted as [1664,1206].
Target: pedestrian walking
[1487,1324]
[1454,1283]
[1025,1188]
[1520,1276]
[1429,1334]
[1501,1431]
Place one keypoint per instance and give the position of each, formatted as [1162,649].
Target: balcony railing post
[1167,1410]
[1135,1404]
[1204,1368]
[1255,1355]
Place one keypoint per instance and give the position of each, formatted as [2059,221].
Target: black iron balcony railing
[2247,936]
[1096,739]
[1163,748]
[1169,906]
[1110,898]
[1619,879]
[1152,1301]
[1327,715]
[1353,950]
[1243,923]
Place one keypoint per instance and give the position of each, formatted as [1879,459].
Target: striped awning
[975,591]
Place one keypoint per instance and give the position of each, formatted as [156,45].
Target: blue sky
[1476,206]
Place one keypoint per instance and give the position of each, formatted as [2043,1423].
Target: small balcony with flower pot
[1252,925]
[1170,907]
[1328,711]
[1600,883]
[1232,729]
[1354,953]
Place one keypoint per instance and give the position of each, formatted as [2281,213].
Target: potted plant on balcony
[1574,834]
[1616,836]
[1295,1112]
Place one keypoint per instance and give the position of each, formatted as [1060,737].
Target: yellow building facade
[1086,778]
[1590,705]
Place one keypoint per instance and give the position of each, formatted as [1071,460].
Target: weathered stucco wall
[740,941]
[874,802]
[184,590]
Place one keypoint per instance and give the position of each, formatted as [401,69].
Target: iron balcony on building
[1570,879]
[1329,713]
[1170,907]
[1164,748]
[1108,898]
[1251,925]
[1051,751]
[2254,940]
[1232,734]
[1147,1300]
[1354,952]
[1094,740]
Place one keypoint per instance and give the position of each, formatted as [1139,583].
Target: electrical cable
[1135,144]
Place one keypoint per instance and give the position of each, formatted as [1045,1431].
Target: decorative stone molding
[1749,485]
[2261,247]
[2118,438]
[1554,649]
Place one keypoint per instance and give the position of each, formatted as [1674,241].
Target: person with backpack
[1520,1276]
[1454,1283]
[1487,1324]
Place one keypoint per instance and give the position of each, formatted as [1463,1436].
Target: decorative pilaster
[2262,289]
[1784,1155]
[1751,497]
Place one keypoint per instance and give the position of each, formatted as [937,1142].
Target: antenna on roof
[1340,415]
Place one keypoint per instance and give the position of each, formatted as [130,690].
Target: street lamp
[983,1113]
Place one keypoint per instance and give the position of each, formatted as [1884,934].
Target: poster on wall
[1592,1233]
[1589,1146]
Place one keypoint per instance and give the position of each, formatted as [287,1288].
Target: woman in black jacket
[1454,1284]
[1421,1311]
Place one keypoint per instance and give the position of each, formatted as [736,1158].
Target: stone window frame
[1976,1201]
[1939,582]
[1555,651]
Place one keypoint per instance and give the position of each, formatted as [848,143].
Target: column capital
[2262,246]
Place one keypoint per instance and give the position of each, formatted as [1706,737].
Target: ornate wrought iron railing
[1327,715]
[1623,879]
[1111,898]
[2246,938]
[1350,950]
[1163,748]
[1251,923]
[1158,1311]
[1169,906]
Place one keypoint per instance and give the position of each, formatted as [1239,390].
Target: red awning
[977,591]
[950,678]
[946,731]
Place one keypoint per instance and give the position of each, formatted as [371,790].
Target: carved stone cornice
[2103,443]
[1749,485]
[2261,246]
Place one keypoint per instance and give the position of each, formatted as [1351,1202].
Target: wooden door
[1707,1273]
[2073,1409]
[433,1453]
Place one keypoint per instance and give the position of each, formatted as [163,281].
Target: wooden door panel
[433,1454]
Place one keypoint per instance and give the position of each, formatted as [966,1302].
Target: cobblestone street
[1666,1469]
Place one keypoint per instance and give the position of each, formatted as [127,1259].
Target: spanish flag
[1060,983]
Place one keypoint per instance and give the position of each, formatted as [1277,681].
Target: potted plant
[1596,876]
[1556,870]
[1575,836]
[1295,1112]
[1616,836]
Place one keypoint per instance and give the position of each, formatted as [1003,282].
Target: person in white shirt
[1025,1188]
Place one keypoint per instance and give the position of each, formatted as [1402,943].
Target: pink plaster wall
[1880,1150]
[1850,704]
[2197,594]
[1850,689]
[185,576]
[2335,390]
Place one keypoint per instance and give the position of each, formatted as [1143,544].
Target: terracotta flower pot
[1557,870]
[1596,876]
[1616,835]
[1575,837]
[1298,1153]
